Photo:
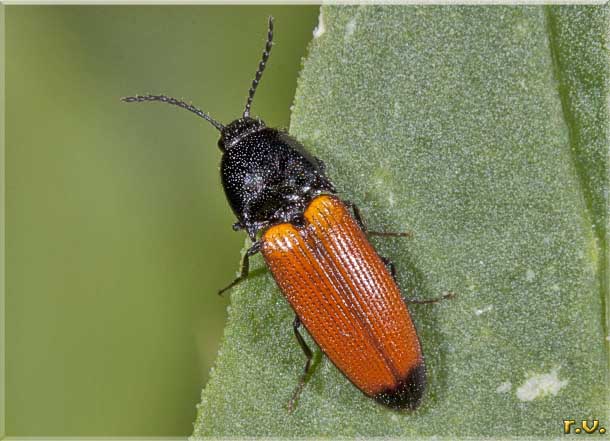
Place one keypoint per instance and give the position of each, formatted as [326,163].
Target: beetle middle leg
[444,296]
[245,266]
[297,391]
[363,227]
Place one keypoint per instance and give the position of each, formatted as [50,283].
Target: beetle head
[232,133]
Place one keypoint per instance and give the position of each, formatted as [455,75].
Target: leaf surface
[484,131]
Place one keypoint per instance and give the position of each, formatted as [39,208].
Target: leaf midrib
[597,225]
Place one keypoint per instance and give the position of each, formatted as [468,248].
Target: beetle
[316,247]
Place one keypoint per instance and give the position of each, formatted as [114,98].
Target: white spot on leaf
[541,385]
[482,310]
[350,28]
[504,387]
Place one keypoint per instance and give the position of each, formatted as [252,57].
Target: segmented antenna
[175,102]
[261,68]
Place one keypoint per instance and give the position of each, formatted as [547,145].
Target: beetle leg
[387,262]
[363,227]
[245,266]
[297,391]
[445,296]
[357,215]
[390,233]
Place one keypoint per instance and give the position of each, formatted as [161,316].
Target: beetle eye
[221,144]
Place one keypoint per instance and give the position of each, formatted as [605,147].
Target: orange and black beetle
[340,289]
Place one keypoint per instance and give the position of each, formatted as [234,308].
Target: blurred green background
[117,232]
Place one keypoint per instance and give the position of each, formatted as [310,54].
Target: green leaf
[484,131]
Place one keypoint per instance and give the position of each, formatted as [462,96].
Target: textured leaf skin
[484,131]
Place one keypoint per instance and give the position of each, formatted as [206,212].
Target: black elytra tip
[408,393]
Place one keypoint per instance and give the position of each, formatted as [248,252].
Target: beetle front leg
[245,266]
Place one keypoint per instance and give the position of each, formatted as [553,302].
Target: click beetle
[316,247]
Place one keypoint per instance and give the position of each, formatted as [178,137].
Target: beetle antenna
[261,68]
[175,102]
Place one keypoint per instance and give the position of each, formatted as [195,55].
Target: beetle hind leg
[309,355]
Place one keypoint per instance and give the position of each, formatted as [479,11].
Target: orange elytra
[348,301]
